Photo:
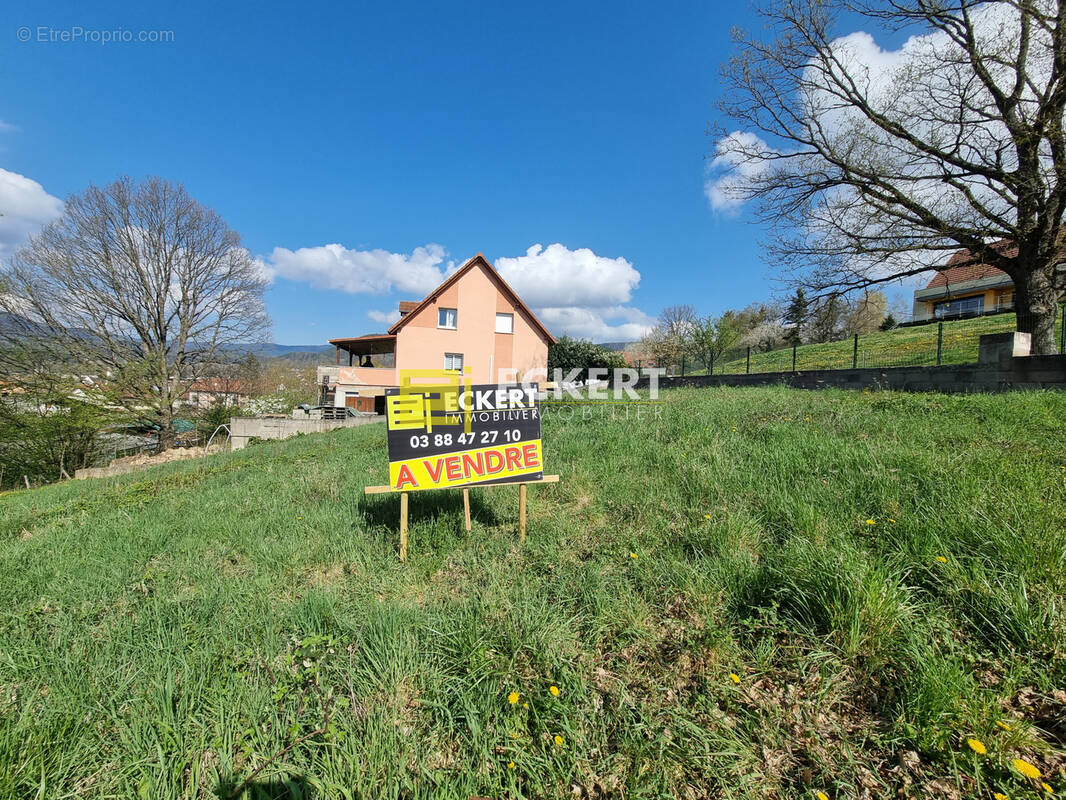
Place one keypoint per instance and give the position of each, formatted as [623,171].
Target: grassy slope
[915,345]
[164,633]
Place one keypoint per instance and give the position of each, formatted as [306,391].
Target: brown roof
[372,337]
[962,267]
[407,305]
[455,276]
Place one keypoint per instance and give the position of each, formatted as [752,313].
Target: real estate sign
[462,435]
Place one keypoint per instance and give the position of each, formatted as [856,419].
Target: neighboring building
[473,319]
[208,392]
[964,288]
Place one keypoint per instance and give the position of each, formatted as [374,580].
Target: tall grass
[759,593]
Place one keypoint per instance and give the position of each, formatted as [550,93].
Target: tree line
[681,336]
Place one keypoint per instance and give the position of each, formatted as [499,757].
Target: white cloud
[26,208]
[333,266]
[732,170]
[574,292]
[614,324]
[577,292]
[384,317]
[557,276]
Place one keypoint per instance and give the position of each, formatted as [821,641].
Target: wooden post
[521,513]
[466,507]
[855,352]
[403,525]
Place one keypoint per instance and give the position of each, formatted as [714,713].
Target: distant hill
[273,350]
[616,346]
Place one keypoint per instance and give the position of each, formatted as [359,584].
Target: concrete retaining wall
[242,429]
[1000,369]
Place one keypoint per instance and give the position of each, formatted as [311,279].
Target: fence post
[939,342]
[794,355]
[682,365]
[1062,335]
[747,368]
[855,352]
[710,369]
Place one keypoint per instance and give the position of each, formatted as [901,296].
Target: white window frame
[451,357]
[443,311]
[509,317]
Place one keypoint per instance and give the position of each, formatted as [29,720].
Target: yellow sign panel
[482,465]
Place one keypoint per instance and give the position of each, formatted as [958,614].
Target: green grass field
[915,345]
[765,593]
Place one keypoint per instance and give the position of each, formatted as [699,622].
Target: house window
[446,318]
[967,305]
[505,323]
[453,361]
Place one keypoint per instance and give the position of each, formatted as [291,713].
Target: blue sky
[383,128]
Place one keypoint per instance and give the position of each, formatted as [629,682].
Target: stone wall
[243,429]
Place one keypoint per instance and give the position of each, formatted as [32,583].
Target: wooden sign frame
[404,501]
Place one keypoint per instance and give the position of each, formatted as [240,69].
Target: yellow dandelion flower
[554,690]
[941,559]
[871,522]
[514,735]
[1000,796]
[510,765]
[734,677]
[525,705]
[558,740]
[512,698]
[1001,724]
[1027,769]
[706,516]
[977,746]
[632,555]
[821,796]
[892,520]
[1047,788]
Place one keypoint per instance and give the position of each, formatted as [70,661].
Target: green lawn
[914,345]
[766,593]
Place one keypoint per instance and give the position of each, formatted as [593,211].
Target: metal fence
[932,343]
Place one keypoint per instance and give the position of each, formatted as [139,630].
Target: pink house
[473,319]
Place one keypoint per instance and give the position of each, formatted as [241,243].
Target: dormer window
[447,318]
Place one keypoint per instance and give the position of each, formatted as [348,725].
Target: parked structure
[473,319]
[964,288]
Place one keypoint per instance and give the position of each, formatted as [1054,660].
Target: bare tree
[871,166]
[136,283]
[668,340]
[710,337]
[866,313]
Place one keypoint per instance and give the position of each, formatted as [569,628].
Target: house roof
[408,305]
[478,260]
[963,266]
[370,337]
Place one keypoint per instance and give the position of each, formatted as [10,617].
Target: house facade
[964,287]
[474,320]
